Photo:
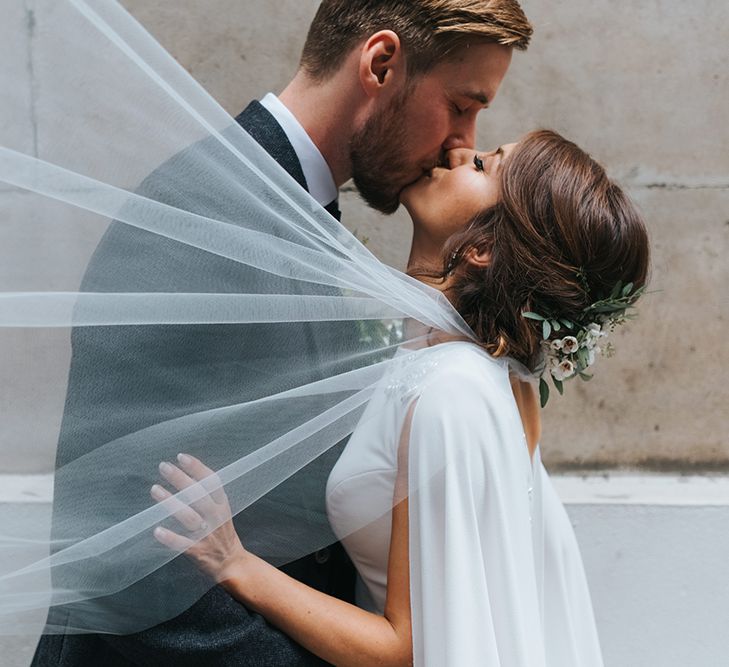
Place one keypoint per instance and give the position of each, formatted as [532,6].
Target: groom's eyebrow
[479,96]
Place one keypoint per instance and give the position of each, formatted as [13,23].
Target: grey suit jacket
[109,397]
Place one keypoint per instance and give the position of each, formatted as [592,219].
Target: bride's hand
[219,552]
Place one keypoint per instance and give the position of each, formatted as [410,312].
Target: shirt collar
[316,170]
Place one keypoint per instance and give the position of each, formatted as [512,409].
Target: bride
[465,555]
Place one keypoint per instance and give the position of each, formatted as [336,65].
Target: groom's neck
[329,112]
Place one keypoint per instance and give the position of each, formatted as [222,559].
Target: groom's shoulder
[211,154]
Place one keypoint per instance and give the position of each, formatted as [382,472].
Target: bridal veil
[166,287]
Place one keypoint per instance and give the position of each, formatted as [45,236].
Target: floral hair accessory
[571,355]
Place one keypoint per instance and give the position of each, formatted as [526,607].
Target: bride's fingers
[187,516]
[172,540]
[181,481]
[207,477]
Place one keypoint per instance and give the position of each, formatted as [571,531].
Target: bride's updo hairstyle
[560,239]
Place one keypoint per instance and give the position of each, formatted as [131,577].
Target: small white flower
[570,344]
[564,370]
[567,368]
[557,344]
[591,356]
[594,331]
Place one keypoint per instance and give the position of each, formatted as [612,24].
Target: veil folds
[166,287]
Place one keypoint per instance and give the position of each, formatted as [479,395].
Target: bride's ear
[381,60]
[478,258]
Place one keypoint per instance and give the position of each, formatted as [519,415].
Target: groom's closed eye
[477,96]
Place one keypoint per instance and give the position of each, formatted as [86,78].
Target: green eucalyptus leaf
[586,377]
[568,324]
[559,384]
[543,392]
[533,316]
[546,329]
[555,325]
[583,357]
[616,290]
[627,288]
[609,308]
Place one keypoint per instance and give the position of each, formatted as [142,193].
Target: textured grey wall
[639,85]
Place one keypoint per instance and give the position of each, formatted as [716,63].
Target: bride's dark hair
[560,239]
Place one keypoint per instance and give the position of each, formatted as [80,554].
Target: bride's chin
[406,198]
[410,193]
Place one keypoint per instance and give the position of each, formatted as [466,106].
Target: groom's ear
[381,62]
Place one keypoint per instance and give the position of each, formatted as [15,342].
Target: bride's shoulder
[464,407]
[453,370]
[468,363]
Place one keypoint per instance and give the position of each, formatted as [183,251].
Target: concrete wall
[642,86]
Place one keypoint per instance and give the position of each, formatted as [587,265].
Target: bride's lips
[426,175]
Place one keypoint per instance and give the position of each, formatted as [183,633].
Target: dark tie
[333,209]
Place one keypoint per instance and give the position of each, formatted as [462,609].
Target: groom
[384,89]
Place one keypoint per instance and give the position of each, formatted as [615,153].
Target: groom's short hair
[430,30]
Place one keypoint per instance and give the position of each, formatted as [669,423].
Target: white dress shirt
[316,170]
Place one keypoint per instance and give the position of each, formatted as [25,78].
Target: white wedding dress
[496,575]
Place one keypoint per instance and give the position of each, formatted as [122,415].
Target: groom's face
[432,114]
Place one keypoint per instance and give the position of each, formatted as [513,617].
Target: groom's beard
[380,153]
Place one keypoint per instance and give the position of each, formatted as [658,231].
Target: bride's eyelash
[478,162]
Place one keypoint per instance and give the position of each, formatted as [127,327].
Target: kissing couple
[276,450]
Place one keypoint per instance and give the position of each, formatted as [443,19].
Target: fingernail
[184,459]
[165,468]
[158,492]
[159,532]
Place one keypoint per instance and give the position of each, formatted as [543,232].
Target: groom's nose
[462,132]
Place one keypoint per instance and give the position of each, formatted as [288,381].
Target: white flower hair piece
[569,356]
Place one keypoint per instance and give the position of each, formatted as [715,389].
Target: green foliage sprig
[570,355]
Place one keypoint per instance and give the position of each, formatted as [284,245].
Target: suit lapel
[262,126]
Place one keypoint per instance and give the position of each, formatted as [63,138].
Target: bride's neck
[425,263]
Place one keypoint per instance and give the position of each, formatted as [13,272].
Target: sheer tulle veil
[166,287]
